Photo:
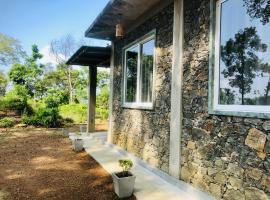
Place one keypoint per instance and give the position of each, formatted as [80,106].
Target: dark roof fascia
[86,60]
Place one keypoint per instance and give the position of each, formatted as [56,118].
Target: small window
[138,74]
[242,57]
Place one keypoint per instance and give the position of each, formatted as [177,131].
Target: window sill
[247,114]
[138,106]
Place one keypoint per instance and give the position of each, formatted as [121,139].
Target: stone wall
[145,133]
[226,156]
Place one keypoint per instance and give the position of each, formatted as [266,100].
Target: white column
[92,99]
[176,93]
[110,131]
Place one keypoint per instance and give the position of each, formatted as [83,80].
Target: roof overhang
[91,56]
[104,25]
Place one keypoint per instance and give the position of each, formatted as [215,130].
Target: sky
[41,21]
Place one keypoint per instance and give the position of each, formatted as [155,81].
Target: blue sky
[40,21]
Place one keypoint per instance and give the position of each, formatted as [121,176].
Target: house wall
[226,156]
[145,133]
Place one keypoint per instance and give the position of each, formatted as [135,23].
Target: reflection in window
[139,74]
[244,63]
[147,71]
[131,74]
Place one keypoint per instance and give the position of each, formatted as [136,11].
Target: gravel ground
[38,163]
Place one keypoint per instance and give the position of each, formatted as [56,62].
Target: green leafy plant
[102,114]
[126,165]
[7,122]
[12,103]
[47,117]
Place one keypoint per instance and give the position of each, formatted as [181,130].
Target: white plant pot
[83,128]
[123,186]
[78,145]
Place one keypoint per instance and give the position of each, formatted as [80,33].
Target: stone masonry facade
[145,133]
[225,156]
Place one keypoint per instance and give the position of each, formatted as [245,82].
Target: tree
[103,78]
[3,83]
[58,80]
[11,50]
[259,9]
[103,98]
[241,61]
[28,74]
[227,96]
[62,49]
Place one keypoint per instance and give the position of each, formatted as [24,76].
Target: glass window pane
[131,74]
[147,71]
[244,75]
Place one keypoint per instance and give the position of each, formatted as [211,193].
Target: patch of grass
[76,112]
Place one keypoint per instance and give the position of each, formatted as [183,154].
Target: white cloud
[47,57]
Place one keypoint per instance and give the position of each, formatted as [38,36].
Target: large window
[242,57]
[138,74]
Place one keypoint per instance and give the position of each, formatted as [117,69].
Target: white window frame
[139,44]
[216,105]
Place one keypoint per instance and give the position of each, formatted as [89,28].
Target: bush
[102,113]
[76,112]
[47,117]
[7,122]
[126,164]
[55,98]
[67,121]
[12,103]
[36,105]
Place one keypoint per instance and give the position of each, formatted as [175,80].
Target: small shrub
[12,103]
[31,120]
[7,122]
[47,117]
[126,164]
[68,121]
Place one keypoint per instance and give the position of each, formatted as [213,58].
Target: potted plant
[124,181]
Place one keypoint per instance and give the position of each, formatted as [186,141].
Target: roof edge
[107,7]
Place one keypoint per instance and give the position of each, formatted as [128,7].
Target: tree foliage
[3,83]
[258,9]
[62,49]
[241,61]
[28,74]
[11,50]
[103,78]
[40,91]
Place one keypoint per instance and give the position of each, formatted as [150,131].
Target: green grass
[76,112]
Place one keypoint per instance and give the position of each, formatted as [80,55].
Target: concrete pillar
[92,99]
[176,87]
[110,131]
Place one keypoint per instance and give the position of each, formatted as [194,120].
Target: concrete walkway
[151,183]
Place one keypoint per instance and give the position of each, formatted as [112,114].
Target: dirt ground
[38,163]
